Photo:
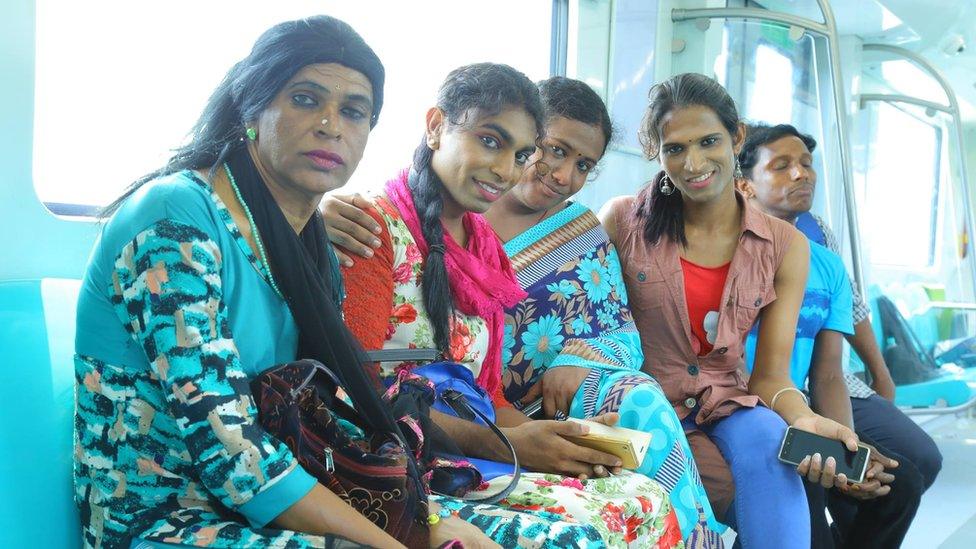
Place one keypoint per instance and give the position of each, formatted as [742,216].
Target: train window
[904,77]
[112,100]
[774,76]
[901,182]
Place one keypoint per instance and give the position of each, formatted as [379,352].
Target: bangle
[434,518]
[772,402]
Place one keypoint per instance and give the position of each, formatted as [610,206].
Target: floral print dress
[544,510]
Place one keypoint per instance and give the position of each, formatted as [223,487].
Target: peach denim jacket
[655,284]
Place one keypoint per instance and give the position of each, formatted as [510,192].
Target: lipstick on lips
[489,192]
[325,159]
[698,182]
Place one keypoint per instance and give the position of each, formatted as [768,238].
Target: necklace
[541,217]
[254,231]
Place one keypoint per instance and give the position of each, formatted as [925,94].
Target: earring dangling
[666,187]
[251,133]
[738,170]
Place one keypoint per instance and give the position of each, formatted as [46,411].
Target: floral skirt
[543,512]
[642,406]
[552,511]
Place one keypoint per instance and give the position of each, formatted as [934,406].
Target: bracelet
[772,402]
[434,518]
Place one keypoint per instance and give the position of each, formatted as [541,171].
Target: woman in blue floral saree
[573,341]
[577,317]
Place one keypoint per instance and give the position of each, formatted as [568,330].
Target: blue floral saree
[577,315]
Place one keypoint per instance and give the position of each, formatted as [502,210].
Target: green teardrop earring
[251,133]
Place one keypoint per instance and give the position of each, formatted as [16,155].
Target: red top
[703,294]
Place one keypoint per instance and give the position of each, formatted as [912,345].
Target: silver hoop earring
[738,170]
[667,189]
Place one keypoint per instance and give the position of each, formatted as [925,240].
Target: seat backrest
[37,331]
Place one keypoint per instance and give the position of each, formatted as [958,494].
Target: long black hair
[252,84]
[763,134]
[576,100]
[663,215]
[482,89]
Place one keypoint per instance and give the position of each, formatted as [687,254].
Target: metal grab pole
[845,148]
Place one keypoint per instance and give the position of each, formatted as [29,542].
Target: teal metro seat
[950,386]
[37,331]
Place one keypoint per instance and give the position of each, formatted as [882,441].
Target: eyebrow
[502,132]
[570,146]
[358,97]
[669,143]
[787,156]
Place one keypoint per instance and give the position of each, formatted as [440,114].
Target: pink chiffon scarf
[481,278]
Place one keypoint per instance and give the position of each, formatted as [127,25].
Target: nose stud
[325,121]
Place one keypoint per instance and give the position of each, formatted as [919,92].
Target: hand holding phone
[800,447]
[877,480]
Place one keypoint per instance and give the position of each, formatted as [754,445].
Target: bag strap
[460,405]
[403,355]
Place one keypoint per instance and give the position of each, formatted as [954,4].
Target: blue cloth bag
[447,376]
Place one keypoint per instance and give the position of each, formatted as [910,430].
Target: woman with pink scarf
[441,279]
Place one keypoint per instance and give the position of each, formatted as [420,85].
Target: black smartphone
[798,444]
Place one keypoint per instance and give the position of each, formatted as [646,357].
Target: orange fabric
[498,398]
[703,294]
[369,291]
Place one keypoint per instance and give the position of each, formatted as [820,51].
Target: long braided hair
[485,89]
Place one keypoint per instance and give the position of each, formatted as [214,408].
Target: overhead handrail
[952,109]
[898,98]
[685,14]
[828,30]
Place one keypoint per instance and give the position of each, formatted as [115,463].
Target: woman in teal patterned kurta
[198,283]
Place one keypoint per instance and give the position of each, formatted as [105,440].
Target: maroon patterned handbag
[299,403]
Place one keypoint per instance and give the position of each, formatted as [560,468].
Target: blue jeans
[770,506]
